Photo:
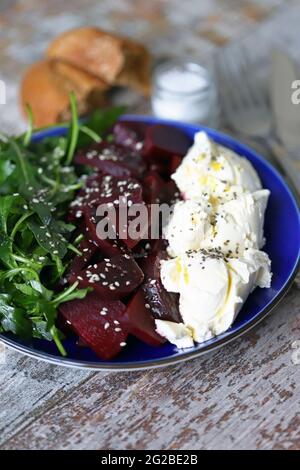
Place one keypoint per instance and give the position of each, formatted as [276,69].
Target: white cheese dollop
[188,226]
[214,238]
[214,170]
[212,289]
[230,227]
[176,333]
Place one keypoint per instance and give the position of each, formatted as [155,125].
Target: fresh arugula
[37,183]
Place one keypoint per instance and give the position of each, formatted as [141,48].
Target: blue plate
[282,231]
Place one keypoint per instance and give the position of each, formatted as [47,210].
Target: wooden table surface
[243,396]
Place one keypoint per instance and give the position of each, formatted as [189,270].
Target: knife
[286,113]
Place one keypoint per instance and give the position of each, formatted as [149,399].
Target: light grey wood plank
[28,386]
[243,396]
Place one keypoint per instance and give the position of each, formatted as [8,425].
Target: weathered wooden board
[245,395]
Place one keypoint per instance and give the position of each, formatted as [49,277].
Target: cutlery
[246,109]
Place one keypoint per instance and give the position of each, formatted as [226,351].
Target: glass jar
[185,91]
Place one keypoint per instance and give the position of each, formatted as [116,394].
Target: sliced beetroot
[165,167]
[175,161]
[106,190]
[113,159]
[109,247]
[161,167]
[147,248]
[162,142]
[130,134]
[164,305]
[153,188]
[158,191]
[88,250]
[100,324]
[122,194]
[140,321]
[113,278]
[172,194]
[90,195]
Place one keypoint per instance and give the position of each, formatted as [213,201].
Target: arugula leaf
[6,169]
[13,319]
[6,250]
[28,134]
[99,122]
[73,129]
[51,241]
[70,294]
[6,204]
[40,330]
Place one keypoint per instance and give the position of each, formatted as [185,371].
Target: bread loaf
[113,59]
[46,87]
[88,62]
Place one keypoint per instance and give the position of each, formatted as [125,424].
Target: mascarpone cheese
[230,227]
[213,289]
[214,170]
[214,237]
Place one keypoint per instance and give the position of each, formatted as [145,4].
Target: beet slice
[174,163]
[113,159]
[152,301]
[140,321]
[125,192]
[110,191]
[158,191]
[164,305]
[109,247]
[89,195]
[153,188]
[99,324]
[130,134]
[163,141]
[112,278]
[88,249]
[148,248]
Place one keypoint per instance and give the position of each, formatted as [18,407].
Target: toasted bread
[115,60]
[41,90]
[46,86]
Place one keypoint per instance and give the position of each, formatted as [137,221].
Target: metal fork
[246,109]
